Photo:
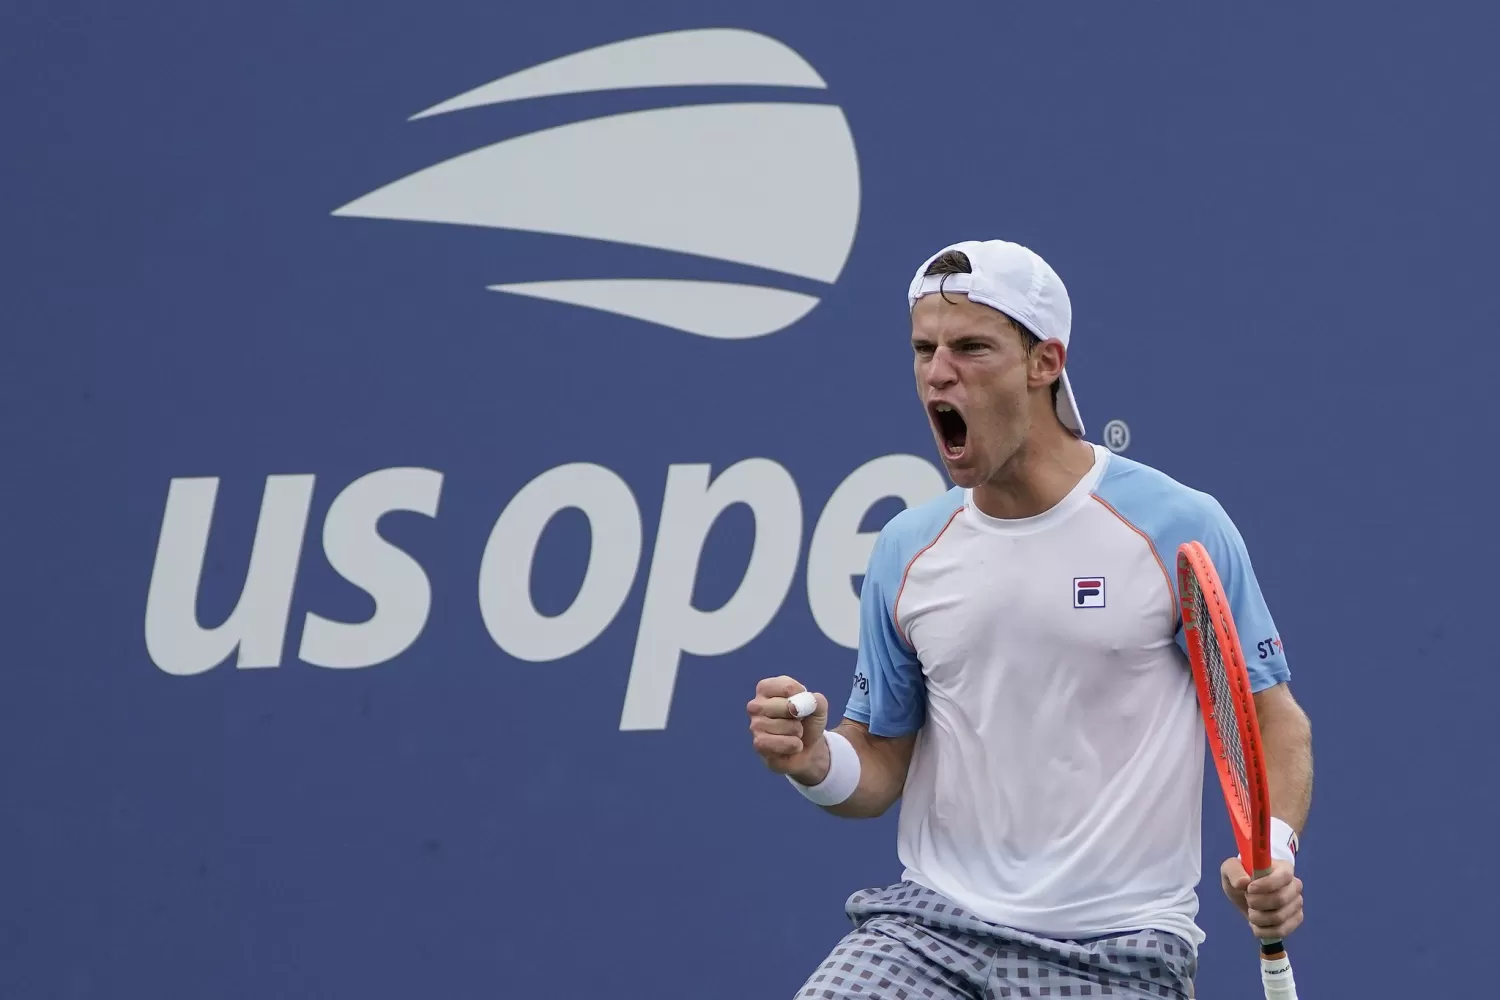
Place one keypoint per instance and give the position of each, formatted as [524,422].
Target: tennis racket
[1233,732]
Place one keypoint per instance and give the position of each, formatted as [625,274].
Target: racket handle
[1275,967]
[1276,976]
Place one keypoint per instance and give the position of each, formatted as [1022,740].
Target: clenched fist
[789,746]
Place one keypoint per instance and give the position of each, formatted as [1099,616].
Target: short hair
[957,262]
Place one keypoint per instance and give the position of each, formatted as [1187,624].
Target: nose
[940,372]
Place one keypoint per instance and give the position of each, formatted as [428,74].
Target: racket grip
[1276,977]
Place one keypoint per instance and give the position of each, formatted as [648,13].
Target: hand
[1272,903]
[788,746]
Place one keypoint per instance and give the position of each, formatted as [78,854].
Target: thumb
[1234,875]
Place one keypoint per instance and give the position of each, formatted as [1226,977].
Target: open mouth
[951,428]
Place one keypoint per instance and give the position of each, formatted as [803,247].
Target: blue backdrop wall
[416,448]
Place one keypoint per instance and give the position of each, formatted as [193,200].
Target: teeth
[944,408]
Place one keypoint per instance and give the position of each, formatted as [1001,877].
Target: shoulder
[1156,504]
[913,530]
[917,527]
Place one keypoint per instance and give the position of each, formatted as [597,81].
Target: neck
[1038,475]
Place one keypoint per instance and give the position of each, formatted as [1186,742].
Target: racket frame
[1251,819]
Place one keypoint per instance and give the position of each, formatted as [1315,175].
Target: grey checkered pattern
[910,943]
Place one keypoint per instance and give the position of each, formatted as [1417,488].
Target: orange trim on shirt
[896,604]
[1171,590]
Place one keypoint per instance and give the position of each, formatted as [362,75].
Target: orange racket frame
[1250,811]
[1251,819]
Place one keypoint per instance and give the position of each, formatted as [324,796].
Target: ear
[1046,363]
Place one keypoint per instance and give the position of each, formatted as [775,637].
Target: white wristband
[1284,843]
[842,777]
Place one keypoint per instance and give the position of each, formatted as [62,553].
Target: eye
[922,347]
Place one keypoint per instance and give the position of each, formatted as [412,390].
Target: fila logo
[1088,592]
[771,184]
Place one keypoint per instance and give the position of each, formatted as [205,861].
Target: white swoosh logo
[774,186]
[703,57]
[716,309]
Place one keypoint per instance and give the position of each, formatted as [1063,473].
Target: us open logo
[772,185]
[1088,592]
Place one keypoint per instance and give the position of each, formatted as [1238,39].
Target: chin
[963,476]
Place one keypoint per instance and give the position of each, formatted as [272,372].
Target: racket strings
[1221,694]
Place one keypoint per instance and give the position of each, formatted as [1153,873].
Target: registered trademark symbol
[1117,435]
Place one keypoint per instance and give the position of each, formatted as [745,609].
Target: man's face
[972,377]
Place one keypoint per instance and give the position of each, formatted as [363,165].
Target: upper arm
[1259,639]
[894,750]
[1275,706]
[888,696]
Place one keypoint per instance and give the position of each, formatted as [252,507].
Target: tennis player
[1022,686]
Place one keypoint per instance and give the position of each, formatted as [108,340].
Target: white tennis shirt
[1057,780]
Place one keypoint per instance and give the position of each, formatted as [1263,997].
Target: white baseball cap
[1016,281]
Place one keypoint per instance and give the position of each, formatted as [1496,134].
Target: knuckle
[771,743]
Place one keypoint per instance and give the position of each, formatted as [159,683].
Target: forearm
[883,765]
[1286,737]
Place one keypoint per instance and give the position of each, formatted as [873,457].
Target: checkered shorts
[910,943]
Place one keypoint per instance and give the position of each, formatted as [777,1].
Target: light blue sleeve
[889,694]
[1169,514]
[1260,642]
